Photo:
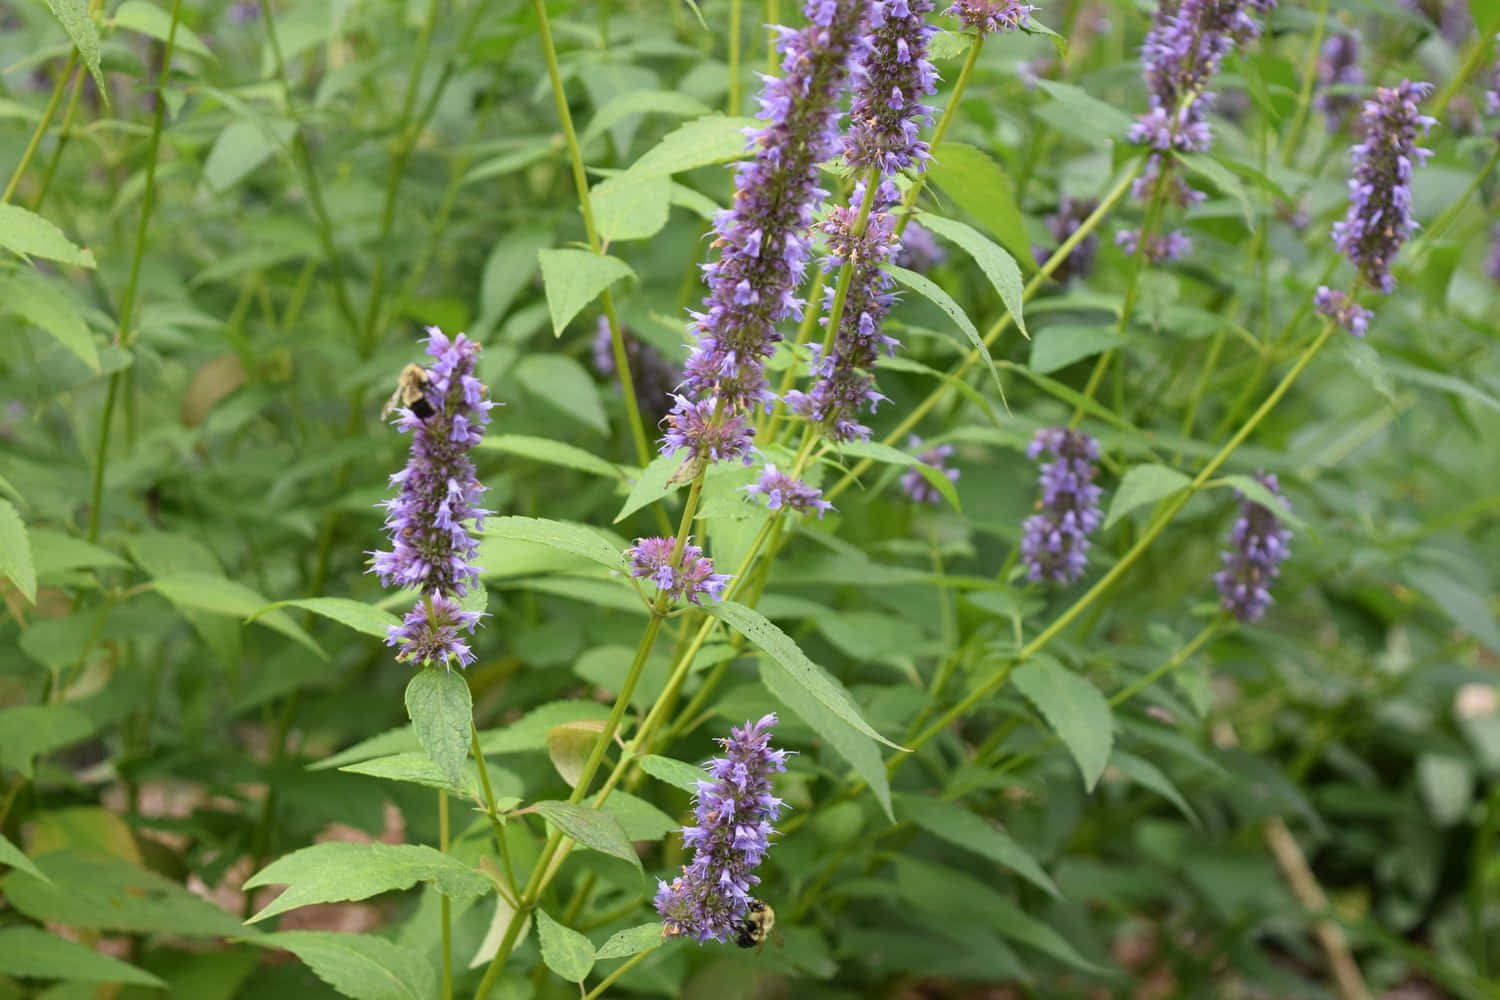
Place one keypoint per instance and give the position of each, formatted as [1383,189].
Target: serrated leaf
[783,650]
[418,769]
[35,953]
[572,538]
[997,265]
[569,746]
[978,185]
[591,828]
[638,818]
[552,452]
[932,293]
[1058,346]
[220,595]
[559,382]
[15,552]
[340,872]
[673,772]
[151,20]
[13,857]
[957,825]
[629,207]
[362,966]
[1074,709]
[54,552]
[442,715]
[699,143]
[641,102]
[359,616]
[574,278]
[27,234]
[654,482]
[1083,116]
[564,950]
[41,303]
[78,22]
[1143,484]
[630,941]
[243,146]
[529,732]
[1148,775]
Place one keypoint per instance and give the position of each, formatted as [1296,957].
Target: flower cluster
[735,810]
[435,517]
[684,579]
[1055,540]
[1343,310]
[1338,66]
[1062,224]
[988,17]
[887,113]
[915,485]
[1164,246]
[763,237]
[781,490]
[651,375]
[919,249]
[1257,545]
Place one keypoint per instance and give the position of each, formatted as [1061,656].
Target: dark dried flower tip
[989,17]
[435,519]
[435,639]
[685,579]
[735,810]
[1062,224]
[1379,220]
[1257,545]
[1055,540]
[651,375]
[914,484]
[887,115]
[1343,310]
[781,490]
[1338,66]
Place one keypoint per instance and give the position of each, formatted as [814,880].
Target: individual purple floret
[1055,540]
[423,639]
[988,17]
[919,251]
[1166,246]
[1338,66]
[781,490]
[915,485]
[1062,224]
[1379,220]
[1257,545]
[763,237]
[1343,310]
[435,518]
[735,810]
[887,114]
[651,375]
[684,579]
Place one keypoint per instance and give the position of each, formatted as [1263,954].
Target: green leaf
[35,953]
[54,552]
[442,715]
[630,941]
[574,278]
[856,748]
[529,732]
[955,824]
[41,303]
[572,538]
[359,616]
[641,102]
[540,449]
[654,482]
[511,265]
[945,45]
[932,293]
[1443,383]
[569,746]
[151,20]
[337,872]
[1083,116]
[240,148]
[699,143]
[100,892]
[1074,709]
[28,731]
[15,552]
[1144,484]
[1461,603]
[878,452]
[559,382]
[802,671]
[1148,775]
[673,772]
[1447,786]
[566,952]
[591,828]
[13,856]
[361,966]
[211,592]
[1369,365]
[1254,491]
[628,207]
[1221,177]
[638,818]
[979,186]
[27,234]
[418,769]
[997,265]
[1060,345]
[76,20]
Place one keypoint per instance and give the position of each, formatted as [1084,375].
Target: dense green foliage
[218,248]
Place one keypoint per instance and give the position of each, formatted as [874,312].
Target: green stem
[42,126]
[445,914]
[1434,232]
[773,18]
[1178,659]
[609,980]
[1478,49]
[1304,93]
[734,57]
[909,203]
[64,134]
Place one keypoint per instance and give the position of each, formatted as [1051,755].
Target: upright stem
[1304,93]
[581,184]
[445,914]
[44,123]
[734,57]
[909,203]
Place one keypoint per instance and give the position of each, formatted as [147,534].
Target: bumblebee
[411,392]
[758,924]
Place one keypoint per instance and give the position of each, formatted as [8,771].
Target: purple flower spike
[735,810]
[707,432]
[435,518]
[1338,66]
[1343,310]
[887,114]
[781,490]
[919,249]
[989,17]
[915,485]
[1257,545]
[686,579]
[425,640]
[1055,540]
[1379,220]
[651,375]
[763,237]
[1167,246]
